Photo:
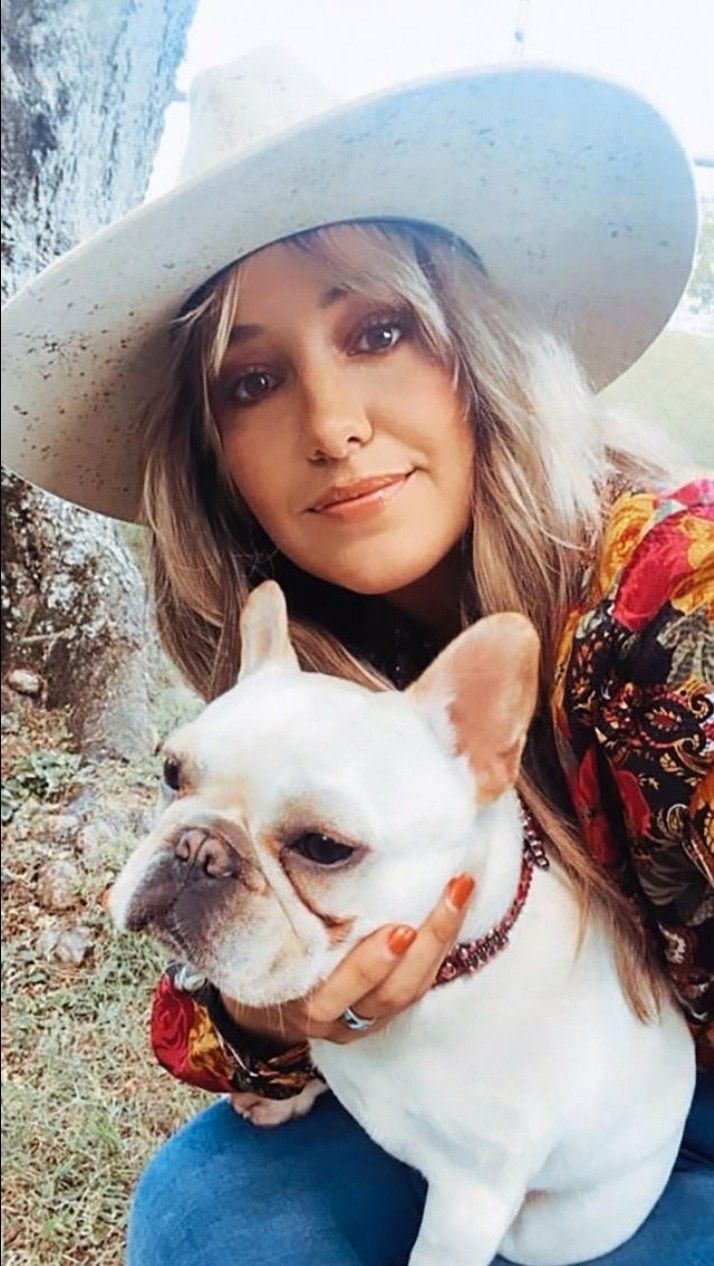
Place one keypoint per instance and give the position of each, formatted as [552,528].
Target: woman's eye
[380,336]
[252,387]
[172,774]
[320,849]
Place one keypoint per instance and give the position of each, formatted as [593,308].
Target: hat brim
[573,190]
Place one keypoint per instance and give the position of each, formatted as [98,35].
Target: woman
[365,412]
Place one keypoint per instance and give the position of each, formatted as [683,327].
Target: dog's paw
[267,1112]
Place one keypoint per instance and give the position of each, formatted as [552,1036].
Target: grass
[84,1102]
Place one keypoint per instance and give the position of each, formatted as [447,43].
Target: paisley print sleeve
[196,1041]
[633,709]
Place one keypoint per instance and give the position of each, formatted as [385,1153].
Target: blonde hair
[549,460]
[546,460]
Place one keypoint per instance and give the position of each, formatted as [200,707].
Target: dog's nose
[210,853]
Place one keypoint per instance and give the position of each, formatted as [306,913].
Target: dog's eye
[172,774]
[320,849]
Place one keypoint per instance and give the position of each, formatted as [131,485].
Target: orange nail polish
[400,939]
[459,890]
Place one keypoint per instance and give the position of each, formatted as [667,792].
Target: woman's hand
[383,975]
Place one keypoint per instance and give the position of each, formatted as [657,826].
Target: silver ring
[355,1022]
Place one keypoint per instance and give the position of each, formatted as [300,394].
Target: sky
[663,48]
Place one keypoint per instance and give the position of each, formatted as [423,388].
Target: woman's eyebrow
[333,294]
[241,333]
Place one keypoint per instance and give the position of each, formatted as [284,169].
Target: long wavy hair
[550,460]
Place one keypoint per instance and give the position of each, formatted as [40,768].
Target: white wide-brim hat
[573,190]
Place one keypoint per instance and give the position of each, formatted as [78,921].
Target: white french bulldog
[544,1115]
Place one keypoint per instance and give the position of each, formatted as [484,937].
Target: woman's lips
[351,506]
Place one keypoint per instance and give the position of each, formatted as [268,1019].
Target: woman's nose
[336,417]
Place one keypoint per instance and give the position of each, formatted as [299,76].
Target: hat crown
[238,105]
[574,192]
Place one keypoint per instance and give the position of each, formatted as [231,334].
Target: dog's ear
[265,637]
[479,695]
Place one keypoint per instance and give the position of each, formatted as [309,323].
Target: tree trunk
[85,85]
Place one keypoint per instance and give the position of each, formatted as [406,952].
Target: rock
[84,804]
[62,827]
[46,942]
[73,945]
[93,839]
[58,884]
[7,878]
[23,682]
[134,820]
[68,945]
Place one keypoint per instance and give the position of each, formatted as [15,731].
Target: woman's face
[341,432]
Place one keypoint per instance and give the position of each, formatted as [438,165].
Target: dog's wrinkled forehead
[303,718]
[280,734]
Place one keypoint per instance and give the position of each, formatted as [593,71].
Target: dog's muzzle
[196,864]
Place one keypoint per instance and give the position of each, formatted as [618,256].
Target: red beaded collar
[470,956]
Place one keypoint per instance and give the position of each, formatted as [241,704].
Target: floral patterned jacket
[633,713]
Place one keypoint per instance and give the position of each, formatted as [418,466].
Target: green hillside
[673,384]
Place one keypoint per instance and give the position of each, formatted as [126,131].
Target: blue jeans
[319,1192]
